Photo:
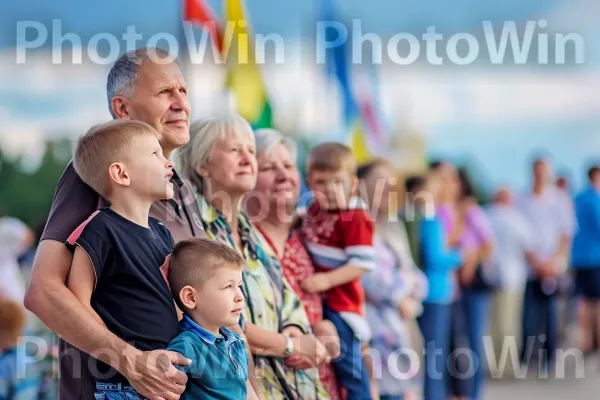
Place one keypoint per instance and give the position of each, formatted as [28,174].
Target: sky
[494,115]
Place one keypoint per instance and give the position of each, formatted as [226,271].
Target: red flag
[199,12]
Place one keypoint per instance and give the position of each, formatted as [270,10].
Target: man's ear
[187,296]
[119,107]
[118,174]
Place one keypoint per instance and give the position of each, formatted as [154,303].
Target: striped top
[338,238]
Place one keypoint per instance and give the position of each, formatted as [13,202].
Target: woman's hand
[308,351]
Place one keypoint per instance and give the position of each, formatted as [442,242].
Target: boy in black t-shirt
[118,251]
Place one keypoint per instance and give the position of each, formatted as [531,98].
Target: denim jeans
[116,391]
[435,326]
[476,305]
[540,316]
[349,367]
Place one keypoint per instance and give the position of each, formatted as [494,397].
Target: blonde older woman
[220,161]
[271,207]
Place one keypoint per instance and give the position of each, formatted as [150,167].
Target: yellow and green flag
[244,78]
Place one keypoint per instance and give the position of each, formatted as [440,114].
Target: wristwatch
[289,346]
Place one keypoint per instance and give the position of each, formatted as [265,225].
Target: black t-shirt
[131,295]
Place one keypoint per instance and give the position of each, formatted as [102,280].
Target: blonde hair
[12,319]
[195,261]
[331,156]
[204,134]
[103,145]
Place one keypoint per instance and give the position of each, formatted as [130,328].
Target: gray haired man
[145,85]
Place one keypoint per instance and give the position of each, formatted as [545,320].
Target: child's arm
[357,230]
[82,280]
[323,281]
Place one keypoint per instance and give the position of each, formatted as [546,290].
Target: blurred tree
[28,195]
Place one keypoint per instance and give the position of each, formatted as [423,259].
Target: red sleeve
[73,203]
[357,229]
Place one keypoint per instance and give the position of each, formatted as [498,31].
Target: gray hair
[267,139]
[204,134]
[123,74]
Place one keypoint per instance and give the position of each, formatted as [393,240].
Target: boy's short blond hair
[12,319]
[103,145]
[195,261]
[331,156]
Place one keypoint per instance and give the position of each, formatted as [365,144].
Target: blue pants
[395,397]
[540,316]
[476,304]
[110,391]
[435,326]
[349,366]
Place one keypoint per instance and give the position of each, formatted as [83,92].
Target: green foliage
[28,195]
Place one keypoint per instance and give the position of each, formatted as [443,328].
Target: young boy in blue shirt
[206,278]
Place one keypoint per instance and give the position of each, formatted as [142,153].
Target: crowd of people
[176,263]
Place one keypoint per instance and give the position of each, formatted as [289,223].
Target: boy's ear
[187,296]
[118,174]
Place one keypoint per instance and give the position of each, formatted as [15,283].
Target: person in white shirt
[550,213]
[508,264]
[15,238]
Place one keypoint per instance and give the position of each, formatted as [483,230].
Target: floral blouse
[270,304]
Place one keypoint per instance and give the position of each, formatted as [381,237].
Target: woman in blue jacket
[438,261]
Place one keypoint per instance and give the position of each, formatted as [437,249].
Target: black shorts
[587,282]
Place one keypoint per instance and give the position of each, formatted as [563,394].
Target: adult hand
[317,283]
[153,375]
[309,349]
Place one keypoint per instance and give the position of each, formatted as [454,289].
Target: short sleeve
[184,346]
[91,236]
[73,202]
[357,230]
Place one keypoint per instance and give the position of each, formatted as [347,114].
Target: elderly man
[148,86]
[550,214]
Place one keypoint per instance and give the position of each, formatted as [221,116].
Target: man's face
[160,99]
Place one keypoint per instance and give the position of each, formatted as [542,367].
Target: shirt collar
[188,324]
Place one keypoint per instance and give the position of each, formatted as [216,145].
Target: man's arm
[49,298]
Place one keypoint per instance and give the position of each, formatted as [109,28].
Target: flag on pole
[199,12]
[337,66]
[244,79]
[233,43]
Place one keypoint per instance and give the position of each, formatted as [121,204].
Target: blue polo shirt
[586,243]
[219,369]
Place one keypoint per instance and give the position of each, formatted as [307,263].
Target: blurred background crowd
[507,152]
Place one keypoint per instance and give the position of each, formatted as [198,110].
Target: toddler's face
[332,189]
[220,301]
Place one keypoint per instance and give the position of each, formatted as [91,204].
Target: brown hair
[331,156]
[103,145]
[12,319]
[195,261]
